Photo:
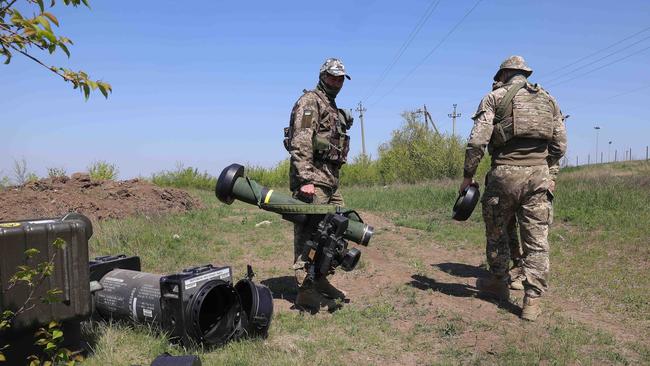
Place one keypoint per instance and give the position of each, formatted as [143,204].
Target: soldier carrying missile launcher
[318,144]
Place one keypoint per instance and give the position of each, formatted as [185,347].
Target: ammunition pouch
[333,148]
[288,135]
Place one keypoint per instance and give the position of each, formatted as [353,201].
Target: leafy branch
[21,34]
[50,337]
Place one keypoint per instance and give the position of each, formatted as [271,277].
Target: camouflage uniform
[526,148]
[318,146]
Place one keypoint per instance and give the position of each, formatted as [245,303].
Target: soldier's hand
[465,184]
[308,190]
[552,186]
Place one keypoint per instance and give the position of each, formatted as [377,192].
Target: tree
[21,34]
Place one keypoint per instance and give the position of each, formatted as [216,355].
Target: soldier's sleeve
[558,144]
[304,117]
[480,135]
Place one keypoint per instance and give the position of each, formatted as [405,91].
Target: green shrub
[362,171]
[277,176]
[101,170]
[416,154]
[56,172]
[183,177]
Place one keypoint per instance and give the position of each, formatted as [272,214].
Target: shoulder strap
[505,104]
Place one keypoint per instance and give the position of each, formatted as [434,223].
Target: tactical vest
[525,111]
[330,142]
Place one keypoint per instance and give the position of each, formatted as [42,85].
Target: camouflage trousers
[520,192]
[302,232]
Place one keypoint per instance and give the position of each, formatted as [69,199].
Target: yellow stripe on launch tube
[268,197]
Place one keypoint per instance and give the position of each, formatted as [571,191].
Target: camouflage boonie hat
[514,63]
[334,66]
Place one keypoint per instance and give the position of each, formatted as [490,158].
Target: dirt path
[443,289]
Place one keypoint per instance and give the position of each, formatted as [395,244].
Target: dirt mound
[97,199]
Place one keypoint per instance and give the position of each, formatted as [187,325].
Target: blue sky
[208,83]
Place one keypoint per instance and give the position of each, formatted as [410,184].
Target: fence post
[601,157]
[615,151]
[646,152]
[576,160]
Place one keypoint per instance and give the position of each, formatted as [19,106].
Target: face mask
[329,90]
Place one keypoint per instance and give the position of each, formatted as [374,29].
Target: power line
[602,66]
[597,60]
[597,52]
[453,29]
[402,49]
[628,92]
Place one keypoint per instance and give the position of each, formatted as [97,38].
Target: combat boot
[517,283]
[324,286]
[313,301]
[493,287]
[531,309]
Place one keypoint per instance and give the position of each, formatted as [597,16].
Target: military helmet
[514,63]
[334,66]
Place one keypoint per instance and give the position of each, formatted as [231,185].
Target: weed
[101,170]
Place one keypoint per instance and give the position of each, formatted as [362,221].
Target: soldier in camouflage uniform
[522,127]
[318,144]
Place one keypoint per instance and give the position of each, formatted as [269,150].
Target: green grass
[601,221]
[599,259]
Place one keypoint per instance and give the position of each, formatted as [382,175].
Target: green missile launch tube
[233,184]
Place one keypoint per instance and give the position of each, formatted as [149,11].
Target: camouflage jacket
[527,151]
[315,121]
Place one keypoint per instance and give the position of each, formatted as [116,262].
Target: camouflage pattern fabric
[334,66]
[521,191]
[513,241]
[301,232]
[514,63]
[315,115]
[532,152]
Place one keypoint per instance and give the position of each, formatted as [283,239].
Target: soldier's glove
[345,118]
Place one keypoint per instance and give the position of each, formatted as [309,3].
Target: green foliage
[55,172]
[362,171]
[416,154]
[101,170]
[277,176]
[183,177]
[21,34]
[4,181]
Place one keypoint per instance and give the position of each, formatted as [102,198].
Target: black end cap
[226,183]
[466,202]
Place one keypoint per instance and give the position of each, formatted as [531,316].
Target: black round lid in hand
[466,202]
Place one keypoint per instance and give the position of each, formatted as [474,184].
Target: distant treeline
[413,154]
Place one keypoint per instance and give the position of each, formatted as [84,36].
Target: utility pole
[597,130]
[453,116]
[576,160]
[427,118]
[609,147]
[615,156]
[646,152]
[361,109]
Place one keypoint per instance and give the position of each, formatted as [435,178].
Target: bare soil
[97,199]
